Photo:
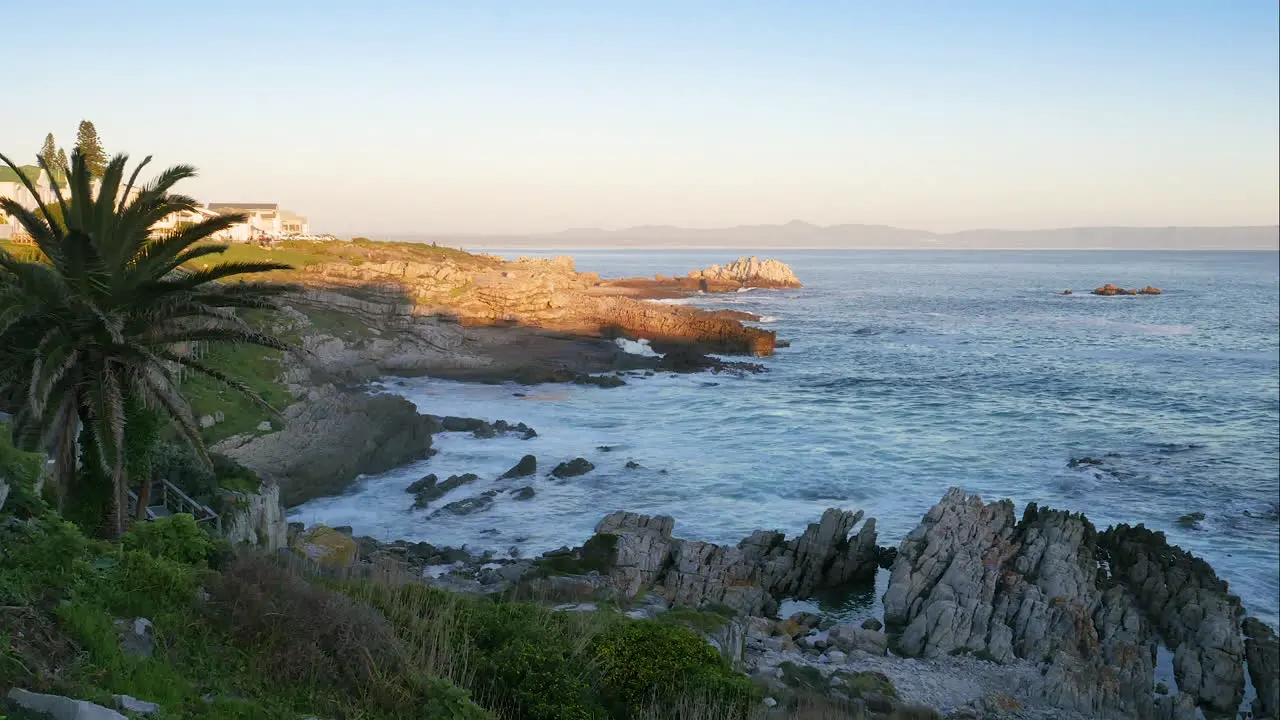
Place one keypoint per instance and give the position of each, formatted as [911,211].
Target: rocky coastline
[986,615]
[473,318]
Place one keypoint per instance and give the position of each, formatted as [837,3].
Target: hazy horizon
[437,119]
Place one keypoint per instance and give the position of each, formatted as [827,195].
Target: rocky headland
[986,614]
[472,318]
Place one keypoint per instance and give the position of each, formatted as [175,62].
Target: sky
[386,117]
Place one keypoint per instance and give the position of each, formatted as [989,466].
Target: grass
[302,254]
[259,368]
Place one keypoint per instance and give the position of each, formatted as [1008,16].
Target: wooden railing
[167,499]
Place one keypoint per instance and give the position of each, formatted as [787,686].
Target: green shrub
[176,538]
[643,661]
[40,560]
[526,661]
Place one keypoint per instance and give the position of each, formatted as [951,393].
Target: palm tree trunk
[144,501]
[64,457]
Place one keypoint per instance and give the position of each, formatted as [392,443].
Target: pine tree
[91,148]
[49,152]
[62,162]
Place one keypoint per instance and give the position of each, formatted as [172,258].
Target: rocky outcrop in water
[1090,607]
[750,272]
[429,489]
[326,443]
[1109,290]
[749,577]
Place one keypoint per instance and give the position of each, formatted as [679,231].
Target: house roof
[244,206]
[8,175]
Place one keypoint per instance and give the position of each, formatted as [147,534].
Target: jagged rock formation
[1191,608]
[972,579]
[750,272]
[329,441]
[1263,652]
[749,577]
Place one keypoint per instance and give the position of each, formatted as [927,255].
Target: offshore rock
[573,468]
[527,466]
[751,272]
[749,577]
[972,579]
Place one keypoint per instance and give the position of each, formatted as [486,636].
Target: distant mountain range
[798,235]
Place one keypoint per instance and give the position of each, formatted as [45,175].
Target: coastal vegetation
[92,334]
[113,341]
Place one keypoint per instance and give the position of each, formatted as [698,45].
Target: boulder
[573,468]
[326,546]
[1150,290]
[327,443]
[137,637]
[524,493]
[527,466]
[850,638]
[61,708]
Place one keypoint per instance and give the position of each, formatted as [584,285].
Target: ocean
[909,372]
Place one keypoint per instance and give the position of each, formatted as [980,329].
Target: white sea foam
[636,347]
[767,319]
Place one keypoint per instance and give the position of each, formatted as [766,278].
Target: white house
[266,219]
[11,186]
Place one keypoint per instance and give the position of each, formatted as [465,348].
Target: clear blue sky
[536,116]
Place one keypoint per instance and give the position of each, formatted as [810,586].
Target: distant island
[797,235]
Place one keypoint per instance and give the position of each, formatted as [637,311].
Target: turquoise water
[910,372]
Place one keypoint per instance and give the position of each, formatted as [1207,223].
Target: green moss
[867,682]
[596,555]
[802,677]
[338,324]
[703,621]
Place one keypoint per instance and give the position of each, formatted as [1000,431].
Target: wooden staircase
[167,499]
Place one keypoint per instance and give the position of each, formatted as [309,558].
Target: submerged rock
[524,493]
[428,490]
[468,506]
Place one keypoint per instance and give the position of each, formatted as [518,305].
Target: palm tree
[101,323]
